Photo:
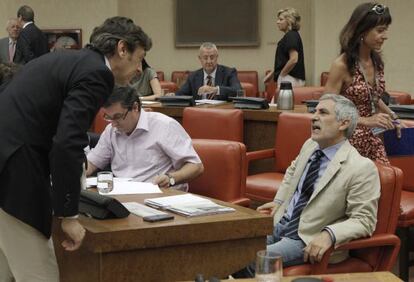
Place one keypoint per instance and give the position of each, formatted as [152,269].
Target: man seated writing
[147,146]
[212,80]
[329,194]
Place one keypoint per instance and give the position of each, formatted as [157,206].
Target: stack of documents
[209,102]
[188,205]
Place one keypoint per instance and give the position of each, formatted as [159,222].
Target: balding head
[13,28]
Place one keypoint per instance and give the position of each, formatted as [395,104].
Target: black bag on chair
[101,207]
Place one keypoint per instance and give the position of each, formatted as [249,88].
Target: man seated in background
[146,146]
[329,194]
[212,81]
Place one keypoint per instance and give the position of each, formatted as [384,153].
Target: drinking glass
[241,93]
[268,266]
[105,182]
[164,91]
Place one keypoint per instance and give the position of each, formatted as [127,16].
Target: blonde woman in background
[289,61]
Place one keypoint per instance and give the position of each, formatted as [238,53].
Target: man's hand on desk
[163,181]
[210,91]
[74,232]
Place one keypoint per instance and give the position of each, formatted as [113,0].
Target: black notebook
[177,101]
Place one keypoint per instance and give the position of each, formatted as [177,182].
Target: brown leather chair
[402,98]
[179,77]
[169,86]
[376,253]
[304,93]
[99,123]
[224,175]
[293,129]
[250,77]
[324,77]
[205,123]
[406,218]
[249,89]
[270,89]
[160,75]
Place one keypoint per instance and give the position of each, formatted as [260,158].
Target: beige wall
[321,23]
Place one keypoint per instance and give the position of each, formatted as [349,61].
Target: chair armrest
[258,155]
[374,241]
[308,269]
[244,202]
[379,240]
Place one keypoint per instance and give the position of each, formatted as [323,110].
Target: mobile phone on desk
[157,217]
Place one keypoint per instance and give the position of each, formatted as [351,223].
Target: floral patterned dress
[367,144]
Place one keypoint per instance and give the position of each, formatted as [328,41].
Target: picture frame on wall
[235,23]
[63,38]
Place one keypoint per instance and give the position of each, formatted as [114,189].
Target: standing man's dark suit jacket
[4,50]
[46,110]
[31,43]
[226,79]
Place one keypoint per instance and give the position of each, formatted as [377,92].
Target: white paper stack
[141,210]
[188,205]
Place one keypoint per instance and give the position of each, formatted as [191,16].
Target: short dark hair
[363,19]
[126,95]
[105,37]
[26,13]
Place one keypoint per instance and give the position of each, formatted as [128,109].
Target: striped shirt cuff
[333,238]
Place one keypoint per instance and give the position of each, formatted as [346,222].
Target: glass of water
[268,266]
[105,182]
[241,93]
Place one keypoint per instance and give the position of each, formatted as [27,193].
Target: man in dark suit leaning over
[47,108]
[31,42]
[212,80]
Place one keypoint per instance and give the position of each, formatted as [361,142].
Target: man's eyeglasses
[379,9]
[116,117]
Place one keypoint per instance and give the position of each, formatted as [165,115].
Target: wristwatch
[172,180]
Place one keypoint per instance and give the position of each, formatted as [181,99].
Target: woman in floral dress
[358,74]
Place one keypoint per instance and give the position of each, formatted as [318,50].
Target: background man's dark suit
[226,79]
[46,110]
[31,43]
[4,50]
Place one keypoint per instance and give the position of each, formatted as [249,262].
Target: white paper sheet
[149,102]
[210,102]
[92,182]
[132,187]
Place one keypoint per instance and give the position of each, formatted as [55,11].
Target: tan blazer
[345,198]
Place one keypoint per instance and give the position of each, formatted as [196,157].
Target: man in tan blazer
[329,194]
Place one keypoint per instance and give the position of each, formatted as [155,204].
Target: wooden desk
[349,277]
[133,250]
[259,127]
